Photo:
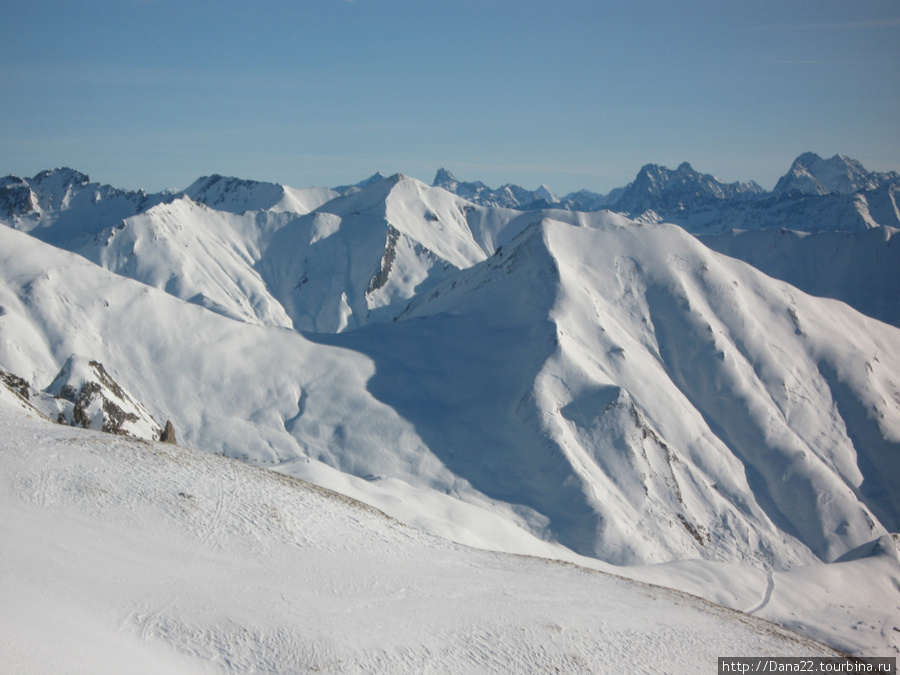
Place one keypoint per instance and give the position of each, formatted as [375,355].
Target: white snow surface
[126,556]
[861,269]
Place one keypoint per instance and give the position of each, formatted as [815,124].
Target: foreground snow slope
[124,556]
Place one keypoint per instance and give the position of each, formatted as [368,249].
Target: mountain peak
[667,192]
[810,174]
[235,195]
[63,175]
[807,158]
[443,178]
[546,193]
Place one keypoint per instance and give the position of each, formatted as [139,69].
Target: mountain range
[814,195]
[502,368]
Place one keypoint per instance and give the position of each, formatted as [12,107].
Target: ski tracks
[767,595]
[222,512]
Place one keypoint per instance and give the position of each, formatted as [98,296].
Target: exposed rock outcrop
[94,400]
[168,433]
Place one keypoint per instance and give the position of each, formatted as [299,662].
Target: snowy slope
[362,257]
[198,254]
[643,378]
[263,394]
[133,557]
[236,195]
[619,388]
[852,603]
[199,245]
[859,268]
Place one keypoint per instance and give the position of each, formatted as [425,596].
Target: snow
[238,196]
[837,265]
[142,557]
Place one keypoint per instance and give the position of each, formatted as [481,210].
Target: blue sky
[572,93]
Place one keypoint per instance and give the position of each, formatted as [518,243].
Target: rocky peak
[810,174]
[445,179]
[16,197]
[61,176]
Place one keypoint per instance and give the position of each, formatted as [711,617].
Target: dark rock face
[16,384]
[16,198]
[168,434]
[387,261]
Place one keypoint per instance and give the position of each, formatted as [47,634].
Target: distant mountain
[815,195]
[515,197]
[350,189]
[812,175]
[239,196]
[63,206]
[659,189]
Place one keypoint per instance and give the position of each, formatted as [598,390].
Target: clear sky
[572,93]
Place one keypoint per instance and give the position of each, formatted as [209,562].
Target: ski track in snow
[767,594]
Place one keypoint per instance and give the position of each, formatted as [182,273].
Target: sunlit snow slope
[125,556]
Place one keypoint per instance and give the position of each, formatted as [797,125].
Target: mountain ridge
[814,195]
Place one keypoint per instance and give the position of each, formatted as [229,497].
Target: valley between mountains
[685,383]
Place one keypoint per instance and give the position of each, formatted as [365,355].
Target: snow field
[160,559]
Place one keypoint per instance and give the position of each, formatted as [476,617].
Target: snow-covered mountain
[63,207]
[520,380]
[810,174]
[503,331]
[815,195]
[861,269]
[516,197]
[235,195]
[662,190]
